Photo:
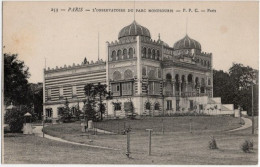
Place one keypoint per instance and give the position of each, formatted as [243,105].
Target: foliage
[16,87]
[234,87]
[247,146]
[65,112]
[212,143]
[90,109]
[15,118]
[101,91]
[37,98]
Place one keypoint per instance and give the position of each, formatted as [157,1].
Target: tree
[234,87]
[101,91]
[89,107]
[16,87]
[65,112]
[37,98]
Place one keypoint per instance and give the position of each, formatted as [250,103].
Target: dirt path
[248,123]
[37,130]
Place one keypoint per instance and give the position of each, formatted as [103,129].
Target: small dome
[134,29]
[187,43]
[162,43]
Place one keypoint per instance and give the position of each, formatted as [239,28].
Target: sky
[34,32]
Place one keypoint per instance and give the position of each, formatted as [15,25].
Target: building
[157,78]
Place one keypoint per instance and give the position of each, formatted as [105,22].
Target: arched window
[116,75]
[113,55]
[182,82]
[189,78]
[158,55]
[149,53]
[168,77]
[157,106]
[124,54]
[144,52]
[177,82]
[201,62]
[148,106]
[196,82]
[131,53]
[119,55]
[128,74]
[153,54]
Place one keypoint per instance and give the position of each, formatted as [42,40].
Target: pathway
[37,130]
[248,123]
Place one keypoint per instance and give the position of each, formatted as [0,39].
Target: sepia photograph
[130,82]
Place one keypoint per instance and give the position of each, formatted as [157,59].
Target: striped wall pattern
[66,82]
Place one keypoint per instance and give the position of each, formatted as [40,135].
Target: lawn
[176,146]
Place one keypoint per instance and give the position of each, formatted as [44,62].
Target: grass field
[175,146]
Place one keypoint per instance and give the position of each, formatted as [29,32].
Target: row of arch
[182,78]
[128,74]
[150,53]
[148,106]
[122,54]
[203,62]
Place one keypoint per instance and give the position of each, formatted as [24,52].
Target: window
[149,53]
[209,81]
[157,88]
[124,54]
[169,105]
[127,88]
[116,89]
[61,92]
[147,106]
[131,53]
[119,55]
[117,106]
[158,54]
[48,94]
[153,54]
[157,106]
[113,55]
[74,91]
[49,112]
[144,52]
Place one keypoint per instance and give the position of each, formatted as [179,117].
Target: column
[139,65]
[180,88]
[173,87]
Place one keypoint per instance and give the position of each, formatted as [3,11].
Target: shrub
[213,143]
[15,118]
[247,146]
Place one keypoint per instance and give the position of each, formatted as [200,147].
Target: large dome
[187,43]
[134,29]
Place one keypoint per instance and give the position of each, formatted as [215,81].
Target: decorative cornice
[65,67]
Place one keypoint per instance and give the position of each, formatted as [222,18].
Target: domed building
[156,78]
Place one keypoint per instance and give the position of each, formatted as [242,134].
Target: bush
[213,143]
[15,118]
[247,146]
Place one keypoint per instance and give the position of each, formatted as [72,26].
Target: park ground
[175,140]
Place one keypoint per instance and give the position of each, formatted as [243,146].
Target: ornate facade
[157,78]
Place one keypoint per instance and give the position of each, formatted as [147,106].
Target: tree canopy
[16,73]
[235,86]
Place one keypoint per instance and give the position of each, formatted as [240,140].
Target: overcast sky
[34,32]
